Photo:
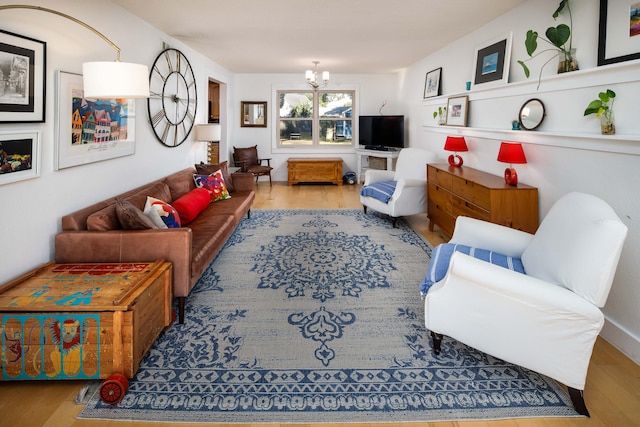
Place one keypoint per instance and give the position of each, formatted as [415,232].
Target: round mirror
[531,114]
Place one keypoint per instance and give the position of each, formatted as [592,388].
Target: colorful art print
[619,31]
[22,78]
[19,156]
[432,83]
[491,62]
[457,111]
[90,130]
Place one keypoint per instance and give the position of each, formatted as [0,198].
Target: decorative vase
[607,123]
[442,120]
[567,61]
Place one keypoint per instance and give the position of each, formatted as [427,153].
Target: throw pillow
[214,183]
[191,204]
[203,169]
[131,217]
[161,213]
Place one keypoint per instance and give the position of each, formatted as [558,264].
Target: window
[315,119]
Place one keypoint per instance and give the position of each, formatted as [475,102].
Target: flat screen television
[384,133]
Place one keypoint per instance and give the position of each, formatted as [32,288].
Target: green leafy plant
[442,111]
[603,108]
[559,37]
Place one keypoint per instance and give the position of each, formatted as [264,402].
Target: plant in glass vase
[603,108]
[441,114]
[560,38]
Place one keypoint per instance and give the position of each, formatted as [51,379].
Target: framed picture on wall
[457,111]
[432,86]
[491,62]
[19,156]
[22,79]
[90,131]
[619,31]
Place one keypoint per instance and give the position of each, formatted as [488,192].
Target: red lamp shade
[455,143]
[511,152]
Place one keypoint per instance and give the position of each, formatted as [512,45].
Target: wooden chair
[248,161]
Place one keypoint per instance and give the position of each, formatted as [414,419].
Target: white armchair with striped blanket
[543,314]
[400,192]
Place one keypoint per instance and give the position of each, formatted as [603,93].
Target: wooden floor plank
[612,393]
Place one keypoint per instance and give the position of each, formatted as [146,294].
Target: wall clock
[173,97]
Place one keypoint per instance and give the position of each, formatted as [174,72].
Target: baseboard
[621,339]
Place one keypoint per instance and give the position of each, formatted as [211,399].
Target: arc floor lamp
[106,80]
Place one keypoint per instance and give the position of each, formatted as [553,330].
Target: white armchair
[546,320]
[409,196]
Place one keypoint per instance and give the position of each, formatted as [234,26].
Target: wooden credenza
[454,191]
[314,170]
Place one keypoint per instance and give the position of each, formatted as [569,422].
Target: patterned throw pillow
[161,213]
[208,169]
[214,183]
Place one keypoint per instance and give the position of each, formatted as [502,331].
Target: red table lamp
[511,152]
[455,143]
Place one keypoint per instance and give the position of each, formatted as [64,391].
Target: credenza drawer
[439,177]
[440,197]
[473,192]
[462,207]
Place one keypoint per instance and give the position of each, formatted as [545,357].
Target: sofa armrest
[243,181]
[173,245]
[377,175]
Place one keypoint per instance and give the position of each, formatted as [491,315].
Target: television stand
[361,152]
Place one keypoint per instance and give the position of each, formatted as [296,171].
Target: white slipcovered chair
[546,320]
[406,187]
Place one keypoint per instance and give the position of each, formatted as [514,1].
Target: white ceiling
[346,36]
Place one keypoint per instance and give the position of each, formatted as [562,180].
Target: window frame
[315,146]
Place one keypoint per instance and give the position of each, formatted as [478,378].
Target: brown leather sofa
[93,234]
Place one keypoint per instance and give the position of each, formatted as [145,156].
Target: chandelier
[312,77]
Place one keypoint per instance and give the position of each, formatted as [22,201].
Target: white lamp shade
[109,80]
[325,76]
[209,132]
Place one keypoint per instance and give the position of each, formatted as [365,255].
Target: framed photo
[90,131]
[22,78]
[432,83]
[457,111]
[619,31]
[491,62]
[19,156]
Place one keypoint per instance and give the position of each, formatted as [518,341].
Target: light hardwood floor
[612,393]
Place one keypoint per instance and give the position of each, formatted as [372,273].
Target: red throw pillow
[191,204]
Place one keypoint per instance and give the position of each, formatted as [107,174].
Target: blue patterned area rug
[315,316]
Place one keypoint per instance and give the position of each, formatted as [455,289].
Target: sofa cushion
[441,256]
[191,204]
[209,234]
[214,183]
[208,169]
[161,213]
[179,183]
[105,219]
[131,217]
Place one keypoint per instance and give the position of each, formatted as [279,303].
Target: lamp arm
[64,15]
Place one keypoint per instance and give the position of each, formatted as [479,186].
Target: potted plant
[560,38]
[441,114]
[603,108]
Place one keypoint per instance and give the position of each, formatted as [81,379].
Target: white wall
[371,91]
[30,211]
[559,161]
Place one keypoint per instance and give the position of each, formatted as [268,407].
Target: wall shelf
[624,144]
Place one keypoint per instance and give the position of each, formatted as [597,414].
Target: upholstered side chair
[248,161]
[532,300]
[401,192]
